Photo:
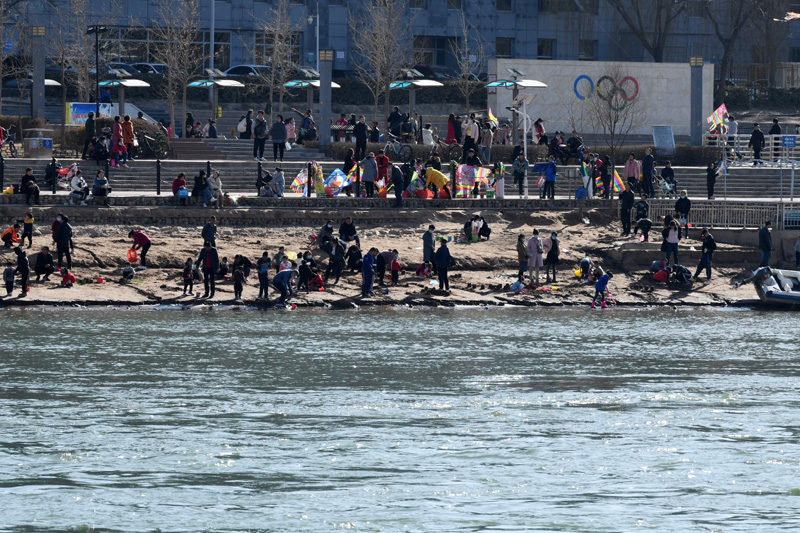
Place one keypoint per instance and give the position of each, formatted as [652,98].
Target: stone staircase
[194,150]
[242,150]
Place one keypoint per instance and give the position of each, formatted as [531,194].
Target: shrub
[21,124]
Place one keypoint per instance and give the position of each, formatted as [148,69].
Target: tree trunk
[724,68]
[183,109]
[375,111]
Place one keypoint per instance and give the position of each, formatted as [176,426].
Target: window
[453,4]
[264,45]
[587,50]
[794,54]
[504,47]
[546,49]
[431,50]
[759,54]
[504,5]
[297,1]
[696,8]
[569,6]
[222,48]
[416,4]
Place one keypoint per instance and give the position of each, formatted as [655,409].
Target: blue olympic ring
[591,86]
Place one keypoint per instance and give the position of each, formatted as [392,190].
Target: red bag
[424,193]
[443,194]
[661,276]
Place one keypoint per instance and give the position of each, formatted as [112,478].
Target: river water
[399,420]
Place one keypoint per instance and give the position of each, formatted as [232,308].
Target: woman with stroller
[668,184]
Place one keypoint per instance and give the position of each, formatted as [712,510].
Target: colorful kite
[234,198]
[790,16]
[493,119]
[618,185]
[338,180]
[716,122]
[299,183]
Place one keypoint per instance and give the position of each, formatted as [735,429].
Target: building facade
[557,30]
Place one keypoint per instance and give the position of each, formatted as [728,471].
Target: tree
[381,45]
[614,111]
[470,56]
[773,33]
[650,21]
[177,49]
[276,47]
[728,19]
[12,29]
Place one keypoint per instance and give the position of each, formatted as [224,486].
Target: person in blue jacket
[208,262]
[600,290]
[443,262]
[283,281]
[550,179]
[368,272]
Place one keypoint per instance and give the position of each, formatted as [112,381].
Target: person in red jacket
[383,168]
[140,241]
[178,184]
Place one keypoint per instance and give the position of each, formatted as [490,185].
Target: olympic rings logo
[607,89]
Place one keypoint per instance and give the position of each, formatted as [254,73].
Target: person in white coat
[215,188]
[535,257]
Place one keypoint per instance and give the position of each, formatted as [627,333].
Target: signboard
[663,140]
[78,112]
[789,141]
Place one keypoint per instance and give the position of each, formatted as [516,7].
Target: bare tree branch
[728,19]
[381,43]
[469,51]
[650,21]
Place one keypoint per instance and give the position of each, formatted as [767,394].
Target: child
[127,274]
[519,285]
[395,270]
[600,289]
[188,276]
[27,229]
[8,277]
[317,283]
[285,264]
[223,268]
[67,278]
[238,282]
[305,276]
[424,270]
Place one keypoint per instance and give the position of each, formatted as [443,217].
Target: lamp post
[96,29]
[310,21]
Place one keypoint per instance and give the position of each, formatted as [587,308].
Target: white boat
[775,286]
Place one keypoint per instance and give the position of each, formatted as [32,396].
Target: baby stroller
[667,189]
[65,176]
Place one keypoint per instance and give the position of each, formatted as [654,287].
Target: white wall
[664,89]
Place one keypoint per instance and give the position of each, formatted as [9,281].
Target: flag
[598,184]
[584,170]
[299,183]
[790,15]
[618,184]
[493,119]
[722,169]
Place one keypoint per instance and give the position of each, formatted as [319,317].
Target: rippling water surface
[463,420]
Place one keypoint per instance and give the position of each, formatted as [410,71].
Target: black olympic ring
[615,89]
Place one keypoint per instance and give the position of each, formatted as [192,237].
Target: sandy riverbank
[483,273]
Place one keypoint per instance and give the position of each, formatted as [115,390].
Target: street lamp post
[310,21]
[96,29]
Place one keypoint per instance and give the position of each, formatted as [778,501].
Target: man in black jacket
[757,143]
[709,245]
[88,134]
[208,262]
[360,133]
[682,207]
[765,243]
[347,232]
[626,200]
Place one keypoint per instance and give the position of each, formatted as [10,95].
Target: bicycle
[7,147]
[157,147]
[447,151]
[403,152]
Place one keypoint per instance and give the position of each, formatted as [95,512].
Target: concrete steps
[194,149]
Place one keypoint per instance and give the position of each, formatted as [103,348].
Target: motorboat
[775,286]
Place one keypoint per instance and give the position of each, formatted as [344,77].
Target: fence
[737,151]
[731,214]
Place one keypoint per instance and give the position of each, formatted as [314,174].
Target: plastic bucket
[132,256]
